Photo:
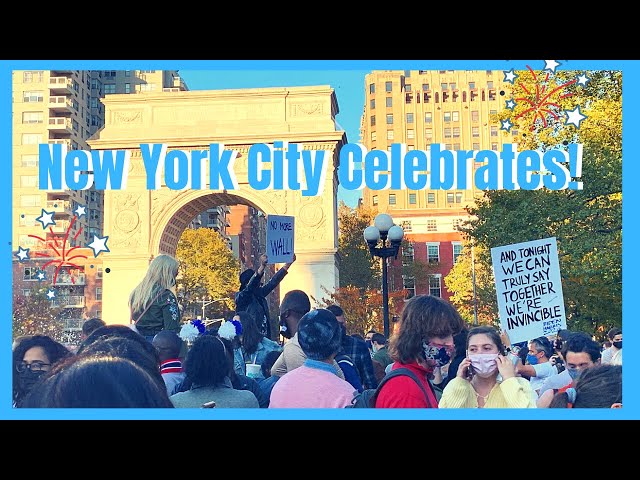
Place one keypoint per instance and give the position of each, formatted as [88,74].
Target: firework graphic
[64,253]
[544,98]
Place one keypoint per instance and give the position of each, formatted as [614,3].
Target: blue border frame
[631,76]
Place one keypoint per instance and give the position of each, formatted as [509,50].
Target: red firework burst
[64,259]
[540,104]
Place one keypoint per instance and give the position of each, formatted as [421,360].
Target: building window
[98,293]
[28,180]
[434,286]
[372,88]
[32,117]
[411,133]
[407,254]
[29,200]
[425,87]
[31,76]
[26,292]
[389,134]
[472,85]
[127,88]
[372,104]
[428,134]
[406,225]
[452,86]
[31,138]
[94,102]
[374,200]
[374,136]
[392,199]
[455,116]
[389,101]
[387,86]
[409,284]
[109,88]
[494,131]
[514,133]
[456,146]
[94,84]
[373,120]
[432,225]
[390,119]
[33,96]
[450,197]
[29,161]
[458,197]
[109,73]
[444,86]
[447,132]
[475,131]
[30,273]
[457,223]
[475,115]
[457,251]
[127,73]
[428,117]
[447,116]
[409,117]
[99,313]
[490,84]
[431,198]
[493,112]
[433,253]
[99,272]
[437,98]
[494,147]
[456,132]
[412,199]
[408,98]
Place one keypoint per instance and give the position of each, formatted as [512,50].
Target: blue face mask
[532,359]
[574,373]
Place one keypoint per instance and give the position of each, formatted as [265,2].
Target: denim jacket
[240,357]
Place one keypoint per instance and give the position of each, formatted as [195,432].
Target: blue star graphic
[46,219]
[583,79]
[574,117]
[551,65]
[98,245]
[511,104]
[41,275]
[510,76]
[51,294]
[22,254]
[80,210]
[506,125]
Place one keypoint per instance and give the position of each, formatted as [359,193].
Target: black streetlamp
[384,229]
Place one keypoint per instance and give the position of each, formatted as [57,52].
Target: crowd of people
[442,362]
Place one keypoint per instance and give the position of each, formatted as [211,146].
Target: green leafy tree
[36,314]
[207,266]
[587,223]
[357,267]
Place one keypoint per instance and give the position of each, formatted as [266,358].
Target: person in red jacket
[424,340]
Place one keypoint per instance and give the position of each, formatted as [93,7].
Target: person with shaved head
[168,344]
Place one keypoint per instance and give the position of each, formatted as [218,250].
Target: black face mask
[28,379]
[284,330]
[618,344]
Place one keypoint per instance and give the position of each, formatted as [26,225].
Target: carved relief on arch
[126,224]
[311,221]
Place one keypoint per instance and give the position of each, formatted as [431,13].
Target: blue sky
[348,86]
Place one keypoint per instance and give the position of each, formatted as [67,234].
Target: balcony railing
[68,301]
[59,206]
[61,83]
[69,279]
[72,323]
[62,124]
[60,103]
[61,141]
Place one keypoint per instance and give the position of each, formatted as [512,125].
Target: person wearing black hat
[252,296]
[316,383]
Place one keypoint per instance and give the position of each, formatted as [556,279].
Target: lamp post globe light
[391,236]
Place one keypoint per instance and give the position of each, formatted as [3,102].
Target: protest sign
[280,236]
[529,289]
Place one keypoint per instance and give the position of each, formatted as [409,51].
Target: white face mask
[484,364]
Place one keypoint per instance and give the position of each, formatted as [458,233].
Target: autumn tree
[363,310]
[207,266]
[36,314]
[587,223]
[357,267]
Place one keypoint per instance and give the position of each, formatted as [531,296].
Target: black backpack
[367,399]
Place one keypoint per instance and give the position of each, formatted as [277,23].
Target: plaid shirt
[359,353]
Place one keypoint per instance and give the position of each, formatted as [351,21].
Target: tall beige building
[63,106]
[418,108]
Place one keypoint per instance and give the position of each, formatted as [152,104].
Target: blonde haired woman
[153,302]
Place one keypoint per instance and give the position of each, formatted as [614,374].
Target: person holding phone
[476,384]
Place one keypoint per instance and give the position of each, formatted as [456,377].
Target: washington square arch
[142,223]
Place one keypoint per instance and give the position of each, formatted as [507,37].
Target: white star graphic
[51,294]
[80,210]
[23,254]
[46,219]
[551,65]
[574,116]
[583,79]
[510,76]
[42,275]
[506,125]
[98,245]
[511,104]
